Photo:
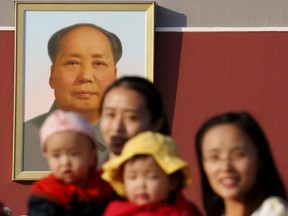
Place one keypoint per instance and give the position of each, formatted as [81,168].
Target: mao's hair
[151,95]
[54,41]
[268,180]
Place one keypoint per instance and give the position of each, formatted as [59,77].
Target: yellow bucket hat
[161,147]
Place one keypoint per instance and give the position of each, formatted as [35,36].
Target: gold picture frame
[35,22]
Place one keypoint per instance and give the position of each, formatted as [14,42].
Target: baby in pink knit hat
[68,143]
[74,187]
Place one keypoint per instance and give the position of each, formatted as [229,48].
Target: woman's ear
[174,184]
[158,125]
[175,181]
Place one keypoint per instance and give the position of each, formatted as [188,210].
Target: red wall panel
[210,73]
[199,75]
[13,194]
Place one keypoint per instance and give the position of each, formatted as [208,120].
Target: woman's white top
[272,206]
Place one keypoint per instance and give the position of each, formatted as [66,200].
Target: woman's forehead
[225,136]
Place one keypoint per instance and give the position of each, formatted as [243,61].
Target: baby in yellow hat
[150,174]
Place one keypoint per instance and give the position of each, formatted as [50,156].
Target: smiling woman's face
[124,114]
[230,161]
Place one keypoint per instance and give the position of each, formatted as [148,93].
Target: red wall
[199,75]
[12,194]
[202,74]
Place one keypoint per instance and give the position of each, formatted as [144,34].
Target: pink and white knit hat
[60,121]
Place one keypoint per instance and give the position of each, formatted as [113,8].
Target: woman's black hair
[152,97]
[268,179]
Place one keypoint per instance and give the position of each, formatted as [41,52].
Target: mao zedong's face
[84,67]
